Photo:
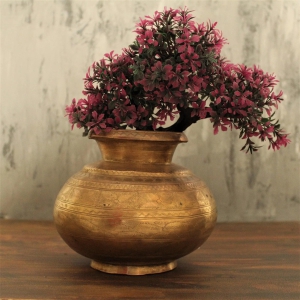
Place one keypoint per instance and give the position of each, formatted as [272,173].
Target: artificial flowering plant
[174,71]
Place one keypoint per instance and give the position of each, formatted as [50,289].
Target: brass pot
[135,212]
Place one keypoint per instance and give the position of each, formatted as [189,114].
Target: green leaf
[134,47]
[138,75]
[112,104]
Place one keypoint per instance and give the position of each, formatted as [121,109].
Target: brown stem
[184,121]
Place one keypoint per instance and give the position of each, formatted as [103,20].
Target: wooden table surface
[239,261]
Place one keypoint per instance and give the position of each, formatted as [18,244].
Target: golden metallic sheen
[135,212]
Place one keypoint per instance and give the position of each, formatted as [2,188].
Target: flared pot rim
[142,135]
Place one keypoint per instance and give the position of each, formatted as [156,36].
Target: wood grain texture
[239,261]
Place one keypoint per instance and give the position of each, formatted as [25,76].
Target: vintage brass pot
[135,212]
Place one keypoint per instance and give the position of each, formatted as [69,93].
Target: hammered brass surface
[135,208]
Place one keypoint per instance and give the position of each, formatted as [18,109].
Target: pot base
[133,270]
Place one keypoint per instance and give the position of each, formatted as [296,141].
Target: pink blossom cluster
[244,99]
[174,68]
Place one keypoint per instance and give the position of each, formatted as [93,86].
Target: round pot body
[135,212]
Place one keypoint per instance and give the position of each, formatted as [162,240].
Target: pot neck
[135,146]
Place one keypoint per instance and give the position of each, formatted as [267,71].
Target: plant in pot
[135,212]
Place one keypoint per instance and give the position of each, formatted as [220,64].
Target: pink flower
[186,39]
[197,84]
[160,71]
[220,94]
[156,18]
[72,108]
[242,98]
[143,24]
[282,141]
[245,72]
[179,78]
[110,56]
[147,38]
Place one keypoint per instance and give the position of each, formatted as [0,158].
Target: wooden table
[239,261]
